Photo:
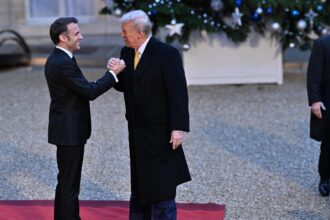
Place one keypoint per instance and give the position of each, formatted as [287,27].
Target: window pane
[80,8]
[42,8]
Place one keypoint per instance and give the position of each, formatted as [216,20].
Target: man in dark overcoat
[156,100]
[318,88]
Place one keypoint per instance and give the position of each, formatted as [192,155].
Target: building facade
[32,18]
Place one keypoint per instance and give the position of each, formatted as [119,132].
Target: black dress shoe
[324,187]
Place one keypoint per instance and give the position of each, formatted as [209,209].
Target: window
[41,11]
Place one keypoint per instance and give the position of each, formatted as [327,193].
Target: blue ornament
[295,13]
[238,3]
[319,8]
[269,10]
[255,17]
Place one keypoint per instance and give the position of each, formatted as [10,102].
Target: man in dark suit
[69,115]
[318,88]
[156,100]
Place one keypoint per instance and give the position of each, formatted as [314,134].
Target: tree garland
[294,23]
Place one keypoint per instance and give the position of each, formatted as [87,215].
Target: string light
[220,15]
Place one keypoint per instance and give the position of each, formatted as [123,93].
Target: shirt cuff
[114,75]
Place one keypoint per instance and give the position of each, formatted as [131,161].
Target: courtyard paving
[248,147]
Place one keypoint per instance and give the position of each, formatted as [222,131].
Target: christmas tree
[294,23]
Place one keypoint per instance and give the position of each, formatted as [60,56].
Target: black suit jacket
[70,93]
[318,84]
[156,100]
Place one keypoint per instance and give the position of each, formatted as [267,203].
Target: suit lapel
[144,60]
[65,56]
[129,59]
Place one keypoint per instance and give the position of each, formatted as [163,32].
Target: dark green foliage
[198,15]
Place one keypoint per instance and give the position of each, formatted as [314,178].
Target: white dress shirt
[143,46]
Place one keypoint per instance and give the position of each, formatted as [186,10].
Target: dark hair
[60,26]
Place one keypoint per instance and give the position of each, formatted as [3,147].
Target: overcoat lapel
[130,61]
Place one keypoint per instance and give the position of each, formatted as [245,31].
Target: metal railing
[11,59]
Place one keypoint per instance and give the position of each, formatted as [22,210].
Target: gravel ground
[248,147]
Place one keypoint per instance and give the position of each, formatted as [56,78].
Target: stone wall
[214,59]
[5,14]
[13,15]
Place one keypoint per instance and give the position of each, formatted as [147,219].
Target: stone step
[295,67]
[93,56]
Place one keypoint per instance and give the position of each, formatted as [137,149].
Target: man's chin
[127,44]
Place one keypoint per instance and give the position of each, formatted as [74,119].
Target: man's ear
[140,35]
[63,38]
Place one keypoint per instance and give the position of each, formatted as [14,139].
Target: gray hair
[140,19]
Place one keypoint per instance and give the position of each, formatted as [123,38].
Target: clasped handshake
[116,65]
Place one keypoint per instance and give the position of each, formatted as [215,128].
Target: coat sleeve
[177,92]
[74,80]
[315,72]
